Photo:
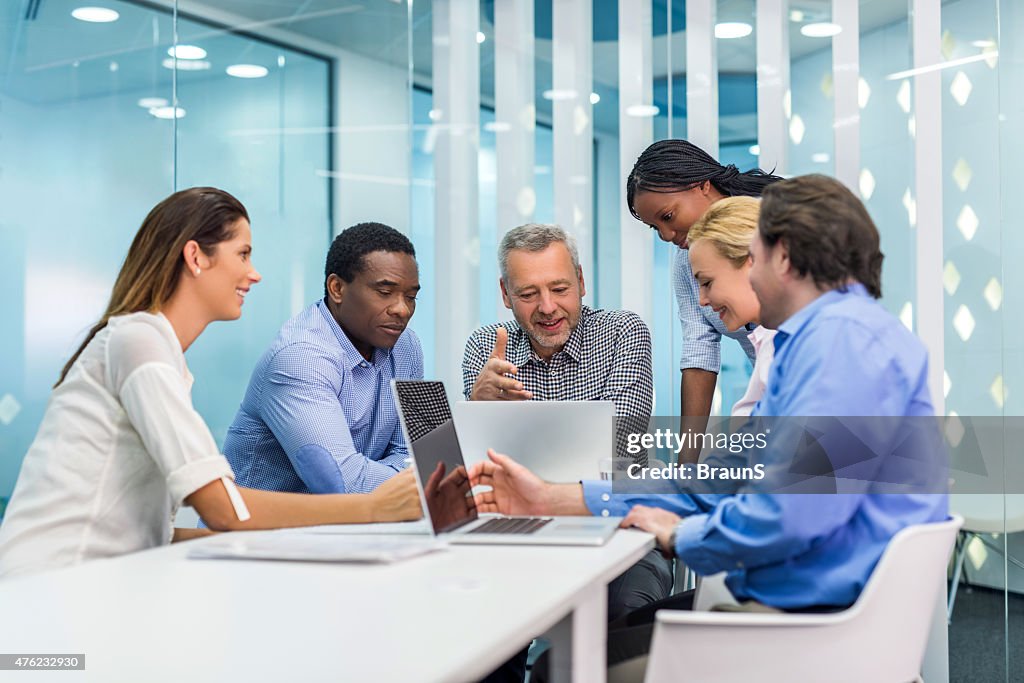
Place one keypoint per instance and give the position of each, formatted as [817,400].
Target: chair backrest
[898,601]
[882,637]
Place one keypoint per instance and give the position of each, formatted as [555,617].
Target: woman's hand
[396,500]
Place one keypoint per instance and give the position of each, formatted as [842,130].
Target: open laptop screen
[434,445]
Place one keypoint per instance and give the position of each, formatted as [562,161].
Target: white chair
[881,638]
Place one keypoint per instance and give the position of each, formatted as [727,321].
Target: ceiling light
[983,43]
[796,15]
[167,112]
[246,71]
[555,95]
[821,157]
[185,64]
[755,150]
[95,15]
[594,98]
[732,29]
[151,102]
[480,37]
[642,110]
[821,29]
[186,52]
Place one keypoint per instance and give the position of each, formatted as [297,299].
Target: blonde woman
[720,256]
[120,446]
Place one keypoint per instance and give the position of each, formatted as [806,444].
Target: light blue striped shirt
[317,416]
[702,328]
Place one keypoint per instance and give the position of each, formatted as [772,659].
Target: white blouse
[763,340]
[119,448]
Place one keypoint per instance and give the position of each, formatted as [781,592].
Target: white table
[449,616]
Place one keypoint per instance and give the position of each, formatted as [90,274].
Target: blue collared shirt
[842,355]
[317,416]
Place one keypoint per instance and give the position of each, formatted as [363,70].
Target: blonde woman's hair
[729,224]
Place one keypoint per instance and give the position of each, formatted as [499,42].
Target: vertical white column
[773,84]
[516,116]
[457,105]
[701,75]
[573,146]
[846,77]
[635,134]
[927,87]
[926,30]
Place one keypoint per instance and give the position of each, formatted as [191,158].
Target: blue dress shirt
[842,355]
[317,416]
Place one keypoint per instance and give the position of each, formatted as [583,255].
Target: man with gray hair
[557,349]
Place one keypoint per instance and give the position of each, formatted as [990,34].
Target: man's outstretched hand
[515,490]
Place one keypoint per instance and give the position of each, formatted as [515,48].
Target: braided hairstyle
[678,165]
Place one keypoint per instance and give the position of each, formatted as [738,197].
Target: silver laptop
[430,433]
[561,441]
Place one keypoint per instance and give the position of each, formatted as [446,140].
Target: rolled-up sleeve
[701,341]
[157,402]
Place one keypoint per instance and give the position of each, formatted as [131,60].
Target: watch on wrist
[671,552]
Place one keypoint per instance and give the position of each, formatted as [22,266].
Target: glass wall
[91,139]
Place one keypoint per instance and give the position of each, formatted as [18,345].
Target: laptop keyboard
[511,525]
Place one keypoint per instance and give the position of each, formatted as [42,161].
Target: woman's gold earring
[197,271]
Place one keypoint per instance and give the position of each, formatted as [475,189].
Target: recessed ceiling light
[167,112]
[755,150]
[642,110]
[186,52]
[796,15]
[732,29]
[480,37]
[152,102]
[95,15]
[821,29]
[247,71]
[821,157]
[185,64]
[594,98]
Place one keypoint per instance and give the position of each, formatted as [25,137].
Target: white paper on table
[419,527]
[312,548]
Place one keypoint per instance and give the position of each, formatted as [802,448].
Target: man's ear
[780,259]
[583,285]
[504,294]
[335,289]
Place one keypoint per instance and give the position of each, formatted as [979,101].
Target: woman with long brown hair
[120,446]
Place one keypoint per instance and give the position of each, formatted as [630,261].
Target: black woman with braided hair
[670,187]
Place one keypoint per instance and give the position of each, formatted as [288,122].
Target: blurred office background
[455,120]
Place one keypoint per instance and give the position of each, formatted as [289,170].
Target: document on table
[419,527]
[312,548]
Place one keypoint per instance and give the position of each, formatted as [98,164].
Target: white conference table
[452,615]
